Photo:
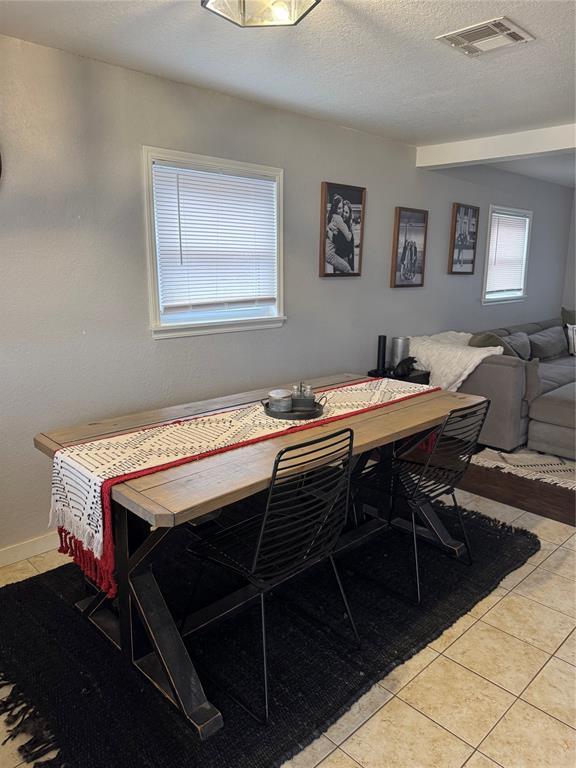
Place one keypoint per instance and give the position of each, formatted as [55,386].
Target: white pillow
[571,330]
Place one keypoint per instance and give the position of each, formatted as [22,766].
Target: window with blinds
[507,254]
[216,231]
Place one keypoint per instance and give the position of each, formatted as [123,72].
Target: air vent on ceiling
[487,36]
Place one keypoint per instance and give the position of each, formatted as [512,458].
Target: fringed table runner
[83,475]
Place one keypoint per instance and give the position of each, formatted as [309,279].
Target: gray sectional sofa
[533,400]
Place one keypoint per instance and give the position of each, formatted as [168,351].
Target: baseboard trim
[29,548]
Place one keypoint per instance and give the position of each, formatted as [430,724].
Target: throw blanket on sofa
[83,475]
[448,357]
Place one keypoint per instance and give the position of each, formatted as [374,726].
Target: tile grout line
[423,714]
[538,602]
[572,663]
[364,721]
[441,653]
[477,752]
[517,698]
[459,636]
[536,705]
[492,681]
[395,696]
[522,640]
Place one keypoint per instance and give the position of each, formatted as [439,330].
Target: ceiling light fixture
[261,13]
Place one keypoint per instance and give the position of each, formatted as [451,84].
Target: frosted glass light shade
[261,13]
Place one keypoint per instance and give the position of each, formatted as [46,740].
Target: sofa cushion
[557,373]
[550,323]
[556,407]
[520,344]
[549,343]
[550,438]
[533,382]
[568,316]
[527,328]
[498,331]
[491,340]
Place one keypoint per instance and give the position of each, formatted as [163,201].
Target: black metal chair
[427,468]
[298,525]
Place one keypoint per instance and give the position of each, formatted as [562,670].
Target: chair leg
[463,529]
[353,510]
[345,601]
[391,501]
[416,568]
[264,657]
[391,506]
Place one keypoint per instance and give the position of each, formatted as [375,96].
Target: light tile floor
[496,690]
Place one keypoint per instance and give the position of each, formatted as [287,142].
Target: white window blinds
[216,237]
[508,239]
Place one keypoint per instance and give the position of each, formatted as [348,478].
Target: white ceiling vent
[488,36]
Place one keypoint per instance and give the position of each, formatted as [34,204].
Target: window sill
[222,326]
[511,300]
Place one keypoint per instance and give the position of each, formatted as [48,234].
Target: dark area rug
[75,691]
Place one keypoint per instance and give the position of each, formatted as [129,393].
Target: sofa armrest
[502,379]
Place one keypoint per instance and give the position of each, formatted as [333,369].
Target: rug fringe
[22,719]
[492,522]
[525,472]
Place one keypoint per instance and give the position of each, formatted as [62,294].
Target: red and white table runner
[83,475]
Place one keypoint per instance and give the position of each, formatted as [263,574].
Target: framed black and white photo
[462,251]
[409,248]
[341,230]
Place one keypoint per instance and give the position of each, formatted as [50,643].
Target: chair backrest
[454,445]
[307,506]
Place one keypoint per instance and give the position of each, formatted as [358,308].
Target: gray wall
[569,292]
[75,339]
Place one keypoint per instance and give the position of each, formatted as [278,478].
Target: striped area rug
[531,465]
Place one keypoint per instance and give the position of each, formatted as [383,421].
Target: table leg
[432,530]
[177,678]
[429,526]
[144,629]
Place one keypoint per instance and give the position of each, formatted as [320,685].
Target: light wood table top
[190,491]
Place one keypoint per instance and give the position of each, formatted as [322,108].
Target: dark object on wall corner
[381,364]
[404,367]
[412,375]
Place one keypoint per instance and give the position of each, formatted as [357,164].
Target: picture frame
[409,248]
[463,239]
[342,214]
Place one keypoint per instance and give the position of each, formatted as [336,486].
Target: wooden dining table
[147,509]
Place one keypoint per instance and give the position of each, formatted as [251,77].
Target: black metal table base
[431,530]
[141,626]
[429,527]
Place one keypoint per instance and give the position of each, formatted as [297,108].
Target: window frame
[514,212]
[206,163]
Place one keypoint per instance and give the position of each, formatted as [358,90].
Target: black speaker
[381,365]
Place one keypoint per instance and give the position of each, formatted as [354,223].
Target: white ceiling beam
[505,146]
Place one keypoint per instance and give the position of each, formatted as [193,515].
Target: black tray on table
[296,415]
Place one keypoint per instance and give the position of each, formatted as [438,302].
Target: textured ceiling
[557,167]
[368,64]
